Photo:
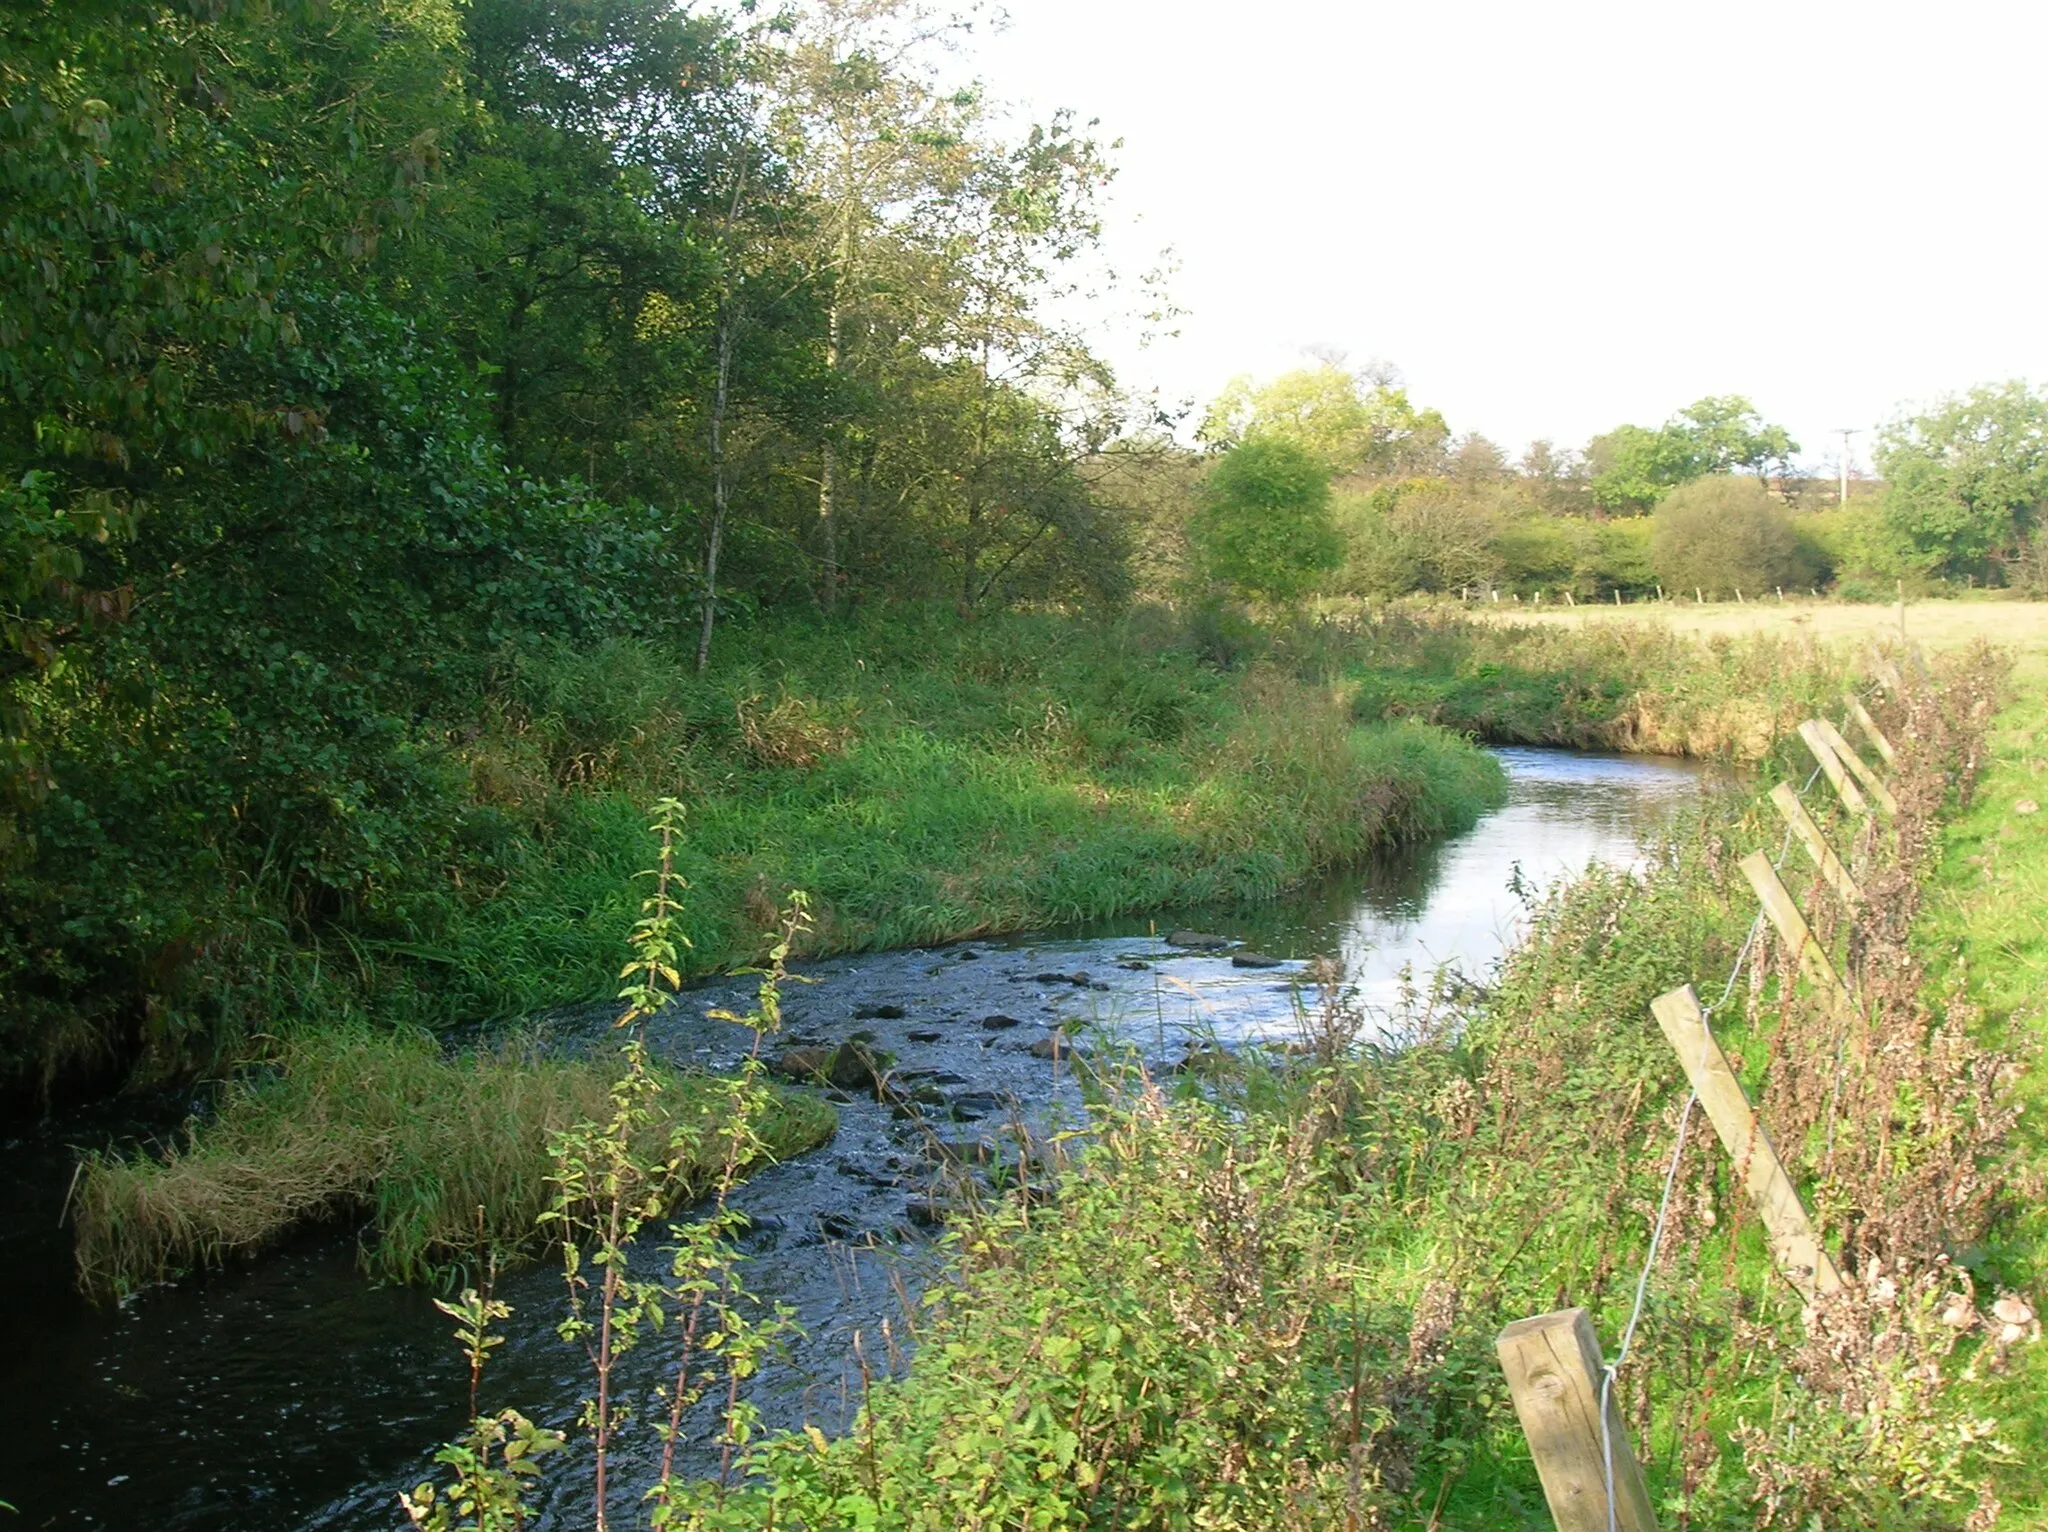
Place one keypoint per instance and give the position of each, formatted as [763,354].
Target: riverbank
[1346,1235]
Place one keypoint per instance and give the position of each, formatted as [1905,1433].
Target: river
[289,1392]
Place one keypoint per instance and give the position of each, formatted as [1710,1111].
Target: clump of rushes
[353,1121]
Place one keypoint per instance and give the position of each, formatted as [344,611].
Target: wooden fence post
[1872,782]
[1793,1241]
[1837,774]
[1807,833]
[1793,930]
[1553,1368]
[1870,729]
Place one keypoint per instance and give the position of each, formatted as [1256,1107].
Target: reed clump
[446,1157]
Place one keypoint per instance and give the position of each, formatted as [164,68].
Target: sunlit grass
[446,1156]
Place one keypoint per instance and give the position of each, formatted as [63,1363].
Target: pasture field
[2021,626]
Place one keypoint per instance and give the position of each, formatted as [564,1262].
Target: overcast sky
[1557,215]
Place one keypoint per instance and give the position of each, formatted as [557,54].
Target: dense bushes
[1724,535]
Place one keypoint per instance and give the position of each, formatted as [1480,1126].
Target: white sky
[1558,215]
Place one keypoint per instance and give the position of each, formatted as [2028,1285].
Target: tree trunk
[728,321]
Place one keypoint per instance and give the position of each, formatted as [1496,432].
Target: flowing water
[288,1392]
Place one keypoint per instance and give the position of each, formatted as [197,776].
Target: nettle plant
[611,1179]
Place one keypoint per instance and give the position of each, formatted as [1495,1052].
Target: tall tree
[1967,482]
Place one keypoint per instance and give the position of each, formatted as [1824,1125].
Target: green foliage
[1966,482]
[1264,528]
[1602,687]
[1348,423]
[1634,468]
[1726,535]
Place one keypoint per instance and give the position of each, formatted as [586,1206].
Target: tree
[1634,467]
[1966,483]
[1264,527]
[1725,534]
[1349,422]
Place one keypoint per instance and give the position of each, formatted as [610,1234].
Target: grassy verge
[446,1157]
[1271,1303]
[1989,929]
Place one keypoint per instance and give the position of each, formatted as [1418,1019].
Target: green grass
[1990,919]
[920,779]
[446,1157]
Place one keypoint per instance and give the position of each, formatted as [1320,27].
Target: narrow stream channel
[290,1393]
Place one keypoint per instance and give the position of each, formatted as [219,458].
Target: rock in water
[1253,960]
[1203,941]
[853,1067]
[809,1065]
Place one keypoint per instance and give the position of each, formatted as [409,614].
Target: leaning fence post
[1807,833]
[1872,782]
[1793,930]
[1870,729]
[1553,1367]
[1837,775]
[1793,1241]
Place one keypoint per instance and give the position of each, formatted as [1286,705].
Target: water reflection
[1450,904]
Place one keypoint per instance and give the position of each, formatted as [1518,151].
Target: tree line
[1330,481]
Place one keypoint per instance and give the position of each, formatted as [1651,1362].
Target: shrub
[1725,534]
[1264,529]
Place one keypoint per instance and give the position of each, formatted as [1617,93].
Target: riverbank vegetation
[1265,1294]
[442,1158]
[1347,1231]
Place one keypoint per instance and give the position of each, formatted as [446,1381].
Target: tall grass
[921,780]
[445,1156]
[1613,685]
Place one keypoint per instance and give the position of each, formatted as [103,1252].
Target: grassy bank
[1989,934]
[442,1158]
[923,778]
[1622,683]
[1272,1303]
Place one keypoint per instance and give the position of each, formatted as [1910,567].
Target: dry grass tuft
[447,1155]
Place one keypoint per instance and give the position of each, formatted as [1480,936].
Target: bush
[1264,529]
[1725,534]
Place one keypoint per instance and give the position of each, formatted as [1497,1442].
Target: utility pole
[1845,432]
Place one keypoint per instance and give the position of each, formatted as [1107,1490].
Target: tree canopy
[1966,483]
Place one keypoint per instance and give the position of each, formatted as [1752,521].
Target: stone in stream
[972,1106]
[1054,1045]
[1134,964]
[854,1067]
[961,1151]
[924,1035]
[808,1065]
[879,1013]
[999,1021]
[1201,941]
[1250,959]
